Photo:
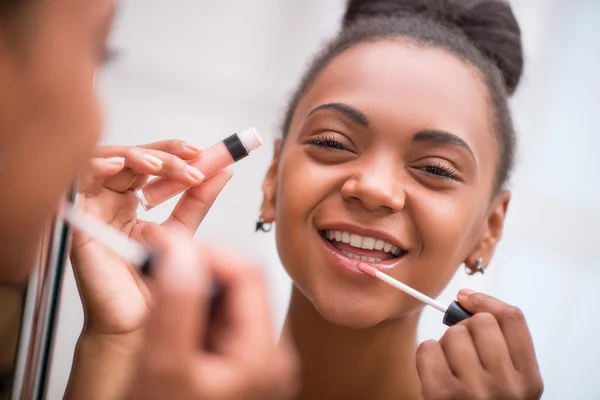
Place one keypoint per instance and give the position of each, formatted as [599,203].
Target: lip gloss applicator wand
[453,314]
[128,249]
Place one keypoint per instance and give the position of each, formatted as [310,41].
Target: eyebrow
[345,109]
[442,137]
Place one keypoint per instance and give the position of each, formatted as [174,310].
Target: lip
[373,233]
[350,264]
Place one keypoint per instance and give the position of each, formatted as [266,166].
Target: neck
[342,363]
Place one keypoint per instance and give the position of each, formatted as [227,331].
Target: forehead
[413,87]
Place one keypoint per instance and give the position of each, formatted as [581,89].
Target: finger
[180,293]
[197,201]
[137,162]
[490,343]
[145,160]
[433,369]
[136,158]
[250,334]
[460,352]
[245,332]
[181,149]
[166,166]
[512,323]
[173,168]
[98,169]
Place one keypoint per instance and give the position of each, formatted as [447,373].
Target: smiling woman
[396,149]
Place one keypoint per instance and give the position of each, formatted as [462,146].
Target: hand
[488,356]
[116,299]
[244,361]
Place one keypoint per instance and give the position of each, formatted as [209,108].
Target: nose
[375,188]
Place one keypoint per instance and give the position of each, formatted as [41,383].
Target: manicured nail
[193,147]
[156,162]
[116,161]
[465,293]
[194,173]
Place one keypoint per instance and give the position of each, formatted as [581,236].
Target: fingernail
[116,161]
[194,173]
[156,162]
[465,293]
[193,147]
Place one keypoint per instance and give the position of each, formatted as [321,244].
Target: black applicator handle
[455,313]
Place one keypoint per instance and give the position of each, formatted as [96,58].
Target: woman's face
[390,158]
[49,114]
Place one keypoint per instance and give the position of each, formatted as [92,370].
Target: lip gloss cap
[250,139]
[455,314]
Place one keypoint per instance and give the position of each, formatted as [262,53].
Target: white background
[199,70]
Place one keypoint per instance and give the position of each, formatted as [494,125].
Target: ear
[269,204]
[492,231]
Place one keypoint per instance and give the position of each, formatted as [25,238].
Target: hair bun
[489,24]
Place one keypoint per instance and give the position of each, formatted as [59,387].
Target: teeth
[355,240]
[362,242]
[368,243]
[345,237]
[361,258]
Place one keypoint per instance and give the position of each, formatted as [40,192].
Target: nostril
[373,194]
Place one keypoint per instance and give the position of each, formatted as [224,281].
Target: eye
[440,171]
[328,141]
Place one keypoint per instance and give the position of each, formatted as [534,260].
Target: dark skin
[49,116]
[395,139]
[50,121]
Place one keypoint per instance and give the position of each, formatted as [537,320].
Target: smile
[353,246]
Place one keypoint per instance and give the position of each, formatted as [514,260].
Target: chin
[349,310]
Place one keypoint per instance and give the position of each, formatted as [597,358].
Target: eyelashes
[441,171]
[328,141]
[438,170]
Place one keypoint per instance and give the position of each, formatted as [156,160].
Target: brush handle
[455,313]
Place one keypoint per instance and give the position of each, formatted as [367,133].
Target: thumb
[180,295]
[476,302]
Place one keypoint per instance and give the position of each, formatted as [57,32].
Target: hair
[482,33]
[13,14]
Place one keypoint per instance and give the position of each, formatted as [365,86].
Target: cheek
[65,103]
[58,122]
[302,186]
[67,92]
[447,223]
[295,198]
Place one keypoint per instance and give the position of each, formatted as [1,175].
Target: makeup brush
[453,314]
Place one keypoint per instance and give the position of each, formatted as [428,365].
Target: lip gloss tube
[209,162]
